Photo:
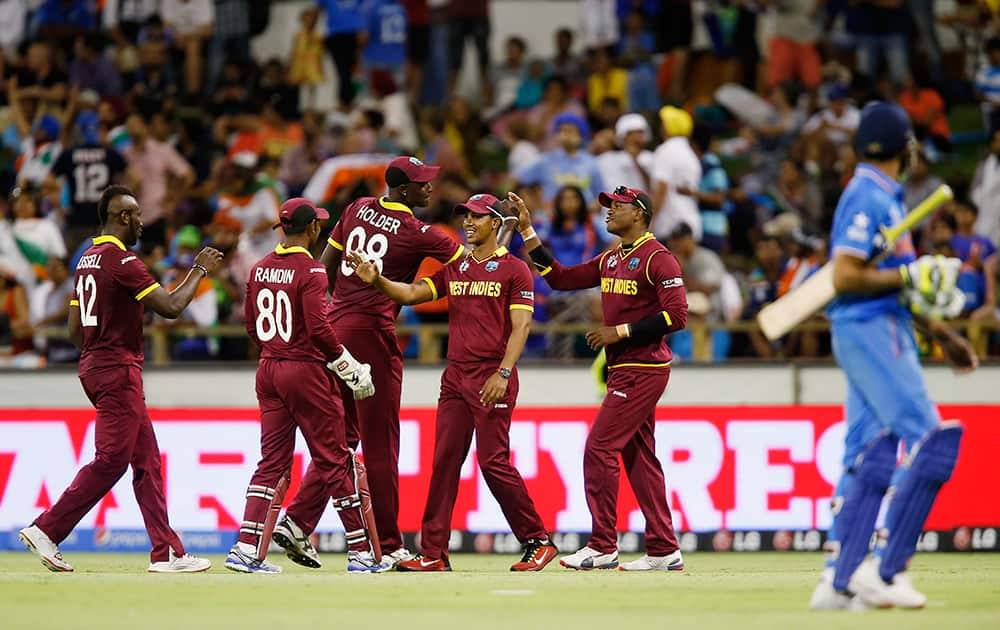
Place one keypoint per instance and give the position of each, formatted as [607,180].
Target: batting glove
[946,305]
[933,277]
[358,376]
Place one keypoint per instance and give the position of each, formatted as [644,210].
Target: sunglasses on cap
[625,191]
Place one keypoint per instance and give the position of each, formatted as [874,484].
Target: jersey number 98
[374,249]
[274,315]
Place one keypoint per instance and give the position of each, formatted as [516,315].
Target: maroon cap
[406,169]
[482,205]
[628,195]
[298,212]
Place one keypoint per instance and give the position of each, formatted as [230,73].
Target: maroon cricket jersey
[110,281]
[388,234]
[481,295]
[636,283]
[286,310]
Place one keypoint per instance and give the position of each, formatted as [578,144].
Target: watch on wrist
[504,372]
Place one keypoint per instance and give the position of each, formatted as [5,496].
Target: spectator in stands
[567,64]
[62,21]
[568,164]
[598,24]
[48,305]
[230,38]
[438,149]
[605,82]
[920,183]
[13,17]
[384,54]
[305,65]
[41,79]
[987,83]
[925,21]
[630,166]
[878,29]
[203,310]
[91,70]
[712,193]
[15,319]
[675,174]
[674,26]
[529,92]
[524,150]
[793,54]
[556,100]
[762,287]
[32,228]
[979,254]
[161,177]
[191,23]
[985,190]
[830,128]
[635,52]
[797,193]
[418,44]
[469,19]
[506,77]
[155,77]
[926,109]
[123,19]
[39,144]
[253,200]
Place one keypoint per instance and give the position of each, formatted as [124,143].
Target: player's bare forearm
[403,293]
[75,327]
[960,354]
[171,304]
[520,328]
[331,260]
[853,275]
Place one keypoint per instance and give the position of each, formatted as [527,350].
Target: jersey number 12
[86,293]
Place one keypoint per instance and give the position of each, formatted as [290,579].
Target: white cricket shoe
[903,595]
[296,544]
[869,587]
[242,562]
[671,562]
[389,561]
[47,551]
[586,559]
[825,597]
[182,564]
[364,562]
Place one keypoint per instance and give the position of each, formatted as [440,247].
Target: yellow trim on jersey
[74,302]
[496,254]
[394,205]
[430,283]
[459,252]
[281,250]
[649,260]
[335,244]
[666,316]
[544,271]
[107,238]
[646,365]
[636,244]
[522,307]
[147,291]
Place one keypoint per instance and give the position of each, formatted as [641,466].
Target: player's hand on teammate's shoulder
[364,269]
[210,259]
[523,214]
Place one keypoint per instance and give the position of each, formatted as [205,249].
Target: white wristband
[529,234]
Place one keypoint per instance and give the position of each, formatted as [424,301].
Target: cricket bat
[779,317]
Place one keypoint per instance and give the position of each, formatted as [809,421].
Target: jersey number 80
[274,315]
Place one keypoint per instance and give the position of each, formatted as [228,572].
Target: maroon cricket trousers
[123,436]
[624,426]
[459,413]
[301,395]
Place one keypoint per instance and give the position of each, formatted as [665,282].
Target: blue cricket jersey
[870,202]
[343,16]
[556,169]
[386,34]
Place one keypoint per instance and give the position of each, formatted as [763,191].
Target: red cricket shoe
[422,563]
[537,554]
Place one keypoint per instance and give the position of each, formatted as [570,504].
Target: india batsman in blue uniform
[887,400]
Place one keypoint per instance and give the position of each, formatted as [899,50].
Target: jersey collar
[281,250]
[871,172]
[393,205]
[496,254]
[107,238]
[637,243]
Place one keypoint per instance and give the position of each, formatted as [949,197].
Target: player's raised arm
[171,304]
[583,276]
[399,292]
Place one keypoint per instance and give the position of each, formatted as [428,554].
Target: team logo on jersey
[612,261]
[633,264]
[492,265]
[464,266]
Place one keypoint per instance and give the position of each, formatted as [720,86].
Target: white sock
[247,548]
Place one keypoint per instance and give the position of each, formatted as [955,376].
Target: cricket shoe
[869,588]
[825,597]
[242,562]
[422,563]
[180,564]
[903,595]
[296,544]
[47,551]
[670,562]
[537,554]
[587,559]
[364,562]
[390,560]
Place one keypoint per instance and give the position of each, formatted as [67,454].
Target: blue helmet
[884,131]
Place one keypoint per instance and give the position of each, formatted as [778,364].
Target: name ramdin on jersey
[277,276]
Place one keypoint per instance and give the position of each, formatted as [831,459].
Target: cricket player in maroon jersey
[386,232]
[113,287]
[490,301]
[286,316]
[643,299]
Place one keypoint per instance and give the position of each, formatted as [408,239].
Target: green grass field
[716,591]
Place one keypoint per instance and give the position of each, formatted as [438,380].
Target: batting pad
[856,520]
[927,468]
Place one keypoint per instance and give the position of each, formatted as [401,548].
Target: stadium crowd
[744,148]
